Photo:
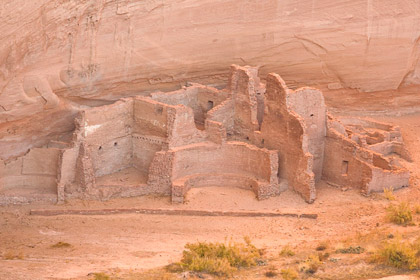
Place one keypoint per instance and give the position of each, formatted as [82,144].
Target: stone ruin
[262,137]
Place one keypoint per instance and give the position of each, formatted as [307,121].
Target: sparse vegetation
[399,254]
[322,246]
[323,256]
[389,193]
[101,276]
[417,209]
[311,264]
[287,252]
[271,272]
[350,250]
[401,214]
[13,256]
[289,274]
[61,245]
[219,258]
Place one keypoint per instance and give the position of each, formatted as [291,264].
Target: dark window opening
[262,141]
[115,144]
[210,105]
[344,167]
[312,115]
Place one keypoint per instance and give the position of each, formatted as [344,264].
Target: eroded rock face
[56,56]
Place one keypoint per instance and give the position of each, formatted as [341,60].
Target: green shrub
[289,274]
[398,254]
[401,214]
[219,258]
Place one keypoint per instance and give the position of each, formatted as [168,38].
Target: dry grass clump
[271,272]
[399,254]
[289,274]
[101,276]
[351,250]
[287,252]
[389,193]
[311,264]
[417,209]
[401,214]
[13,256]
[61,245]
[219,258]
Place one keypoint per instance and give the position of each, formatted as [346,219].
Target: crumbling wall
[350,162]
[242,85]
[199,98]
[150,131]
[181,127]
[223,113]
[231,164]
[309,104]
[285,131]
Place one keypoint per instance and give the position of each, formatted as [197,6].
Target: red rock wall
[55,55]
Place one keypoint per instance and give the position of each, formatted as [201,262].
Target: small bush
[417,209]
[401,214]
[219,258]
[174,267]
[389,193]
[61,245]
[289,274]
[286,252]
[323,256]
[398,254]
[322,246]
[311,264]
[271,272]
[351,250]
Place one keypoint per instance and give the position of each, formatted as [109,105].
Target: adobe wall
[35,170]
[309,104]
[223,113]
[234,164]
[199,98]
[285,131]
[233,157]
[344,164]
[242,84]
[107,133]
[150,131]
[354,164]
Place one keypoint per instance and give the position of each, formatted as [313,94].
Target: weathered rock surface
[56,56]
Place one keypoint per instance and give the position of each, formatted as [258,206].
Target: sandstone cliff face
[58,56]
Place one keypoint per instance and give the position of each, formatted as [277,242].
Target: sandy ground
[138,242]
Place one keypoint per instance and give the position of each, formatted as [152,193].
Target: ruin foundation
[262,137]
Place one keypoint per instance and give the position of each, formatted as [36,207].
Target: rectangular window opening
[345,167]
